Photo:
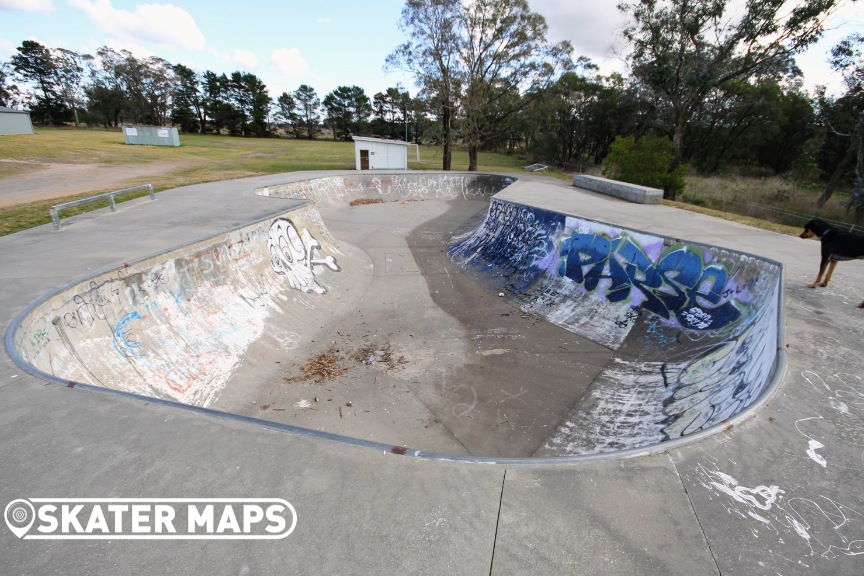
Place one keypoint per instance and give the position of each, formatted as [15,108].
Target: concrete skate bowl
[429,319]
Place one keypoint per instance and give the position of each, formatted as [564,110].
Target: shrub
[645,161]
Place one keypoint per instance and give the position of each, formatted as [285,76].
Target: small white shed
[380,154]
[14,122]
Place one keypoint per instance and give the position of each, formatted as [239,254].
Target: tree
[847,121]
[144,85]
[189,108]
[576,119]
[391,113]
[432,55]
[251,102]
[10,95]
[506,61]
[220,112]
[285,114]
[348,109]
[308,119]
[34,63]
[70,72]
[682,50]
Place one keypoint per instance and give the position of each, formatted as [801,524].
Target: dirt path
[46,181]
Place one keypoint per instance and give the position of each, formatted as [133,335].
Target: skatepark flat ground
[778,494]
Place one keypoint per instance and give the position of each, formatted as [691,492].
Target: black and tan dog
[836,246]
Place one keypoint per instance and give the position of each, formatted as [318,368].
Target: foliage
[57,77]
[307,117]
[505,60]
[575,120]
[844,120]
[10,95]
[645,161]
[392,112]
[683,50]
[431,55]
[348,110]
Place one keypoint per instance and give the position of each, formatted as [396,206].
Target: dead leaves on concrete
[334,362]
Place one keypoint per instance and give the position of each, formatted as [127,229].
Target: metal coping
[775,379]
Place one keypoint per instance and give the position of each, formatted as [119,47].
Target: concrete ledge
[623,190]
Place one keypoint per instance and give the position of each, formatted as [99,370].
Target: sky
[324,44]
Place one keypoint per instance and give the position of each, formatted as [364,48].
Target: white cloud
[28,5]
[135,49]
[7,49]
[289,62]
[322,20]
[593,27]
[245,58]
[162,24]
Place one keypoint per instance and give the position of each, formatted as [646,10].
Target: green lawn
[198,159]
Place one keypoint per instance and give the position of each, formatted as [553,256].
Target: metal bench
[55,217]
[537,168]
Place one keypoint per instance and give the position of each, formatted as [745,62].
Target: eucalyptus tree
[844,118]
[143,85]
[57,78]
[683,50]
[506,60]
[431,54]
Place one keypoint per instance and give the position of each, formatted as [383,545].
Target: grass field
[199,159]
[212,158]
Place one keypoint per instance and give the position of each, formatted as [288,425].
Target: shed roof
[381,141]
[13,110]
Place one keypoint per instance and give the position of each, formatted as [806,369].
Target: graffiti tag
[678,284]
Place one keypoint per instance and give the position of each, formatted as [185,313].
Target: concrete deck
[780,493]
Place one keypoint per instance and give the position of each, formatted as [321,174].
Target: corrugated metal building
[151,135]
[14,122]
[380,154]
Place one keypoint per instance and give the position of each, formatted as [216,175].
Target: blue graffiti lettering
[678,284]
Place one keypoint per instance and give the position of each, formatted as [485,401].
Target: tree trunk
[472,158]
[671,190]
[447,159]
[836,177]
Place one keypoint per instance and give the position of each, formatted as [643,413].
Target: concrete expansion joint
[497,522]
[695,513]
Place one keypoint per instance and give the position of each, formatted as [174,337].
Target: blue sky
[324,44]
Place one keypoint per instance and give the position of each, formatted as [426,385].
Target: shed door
[364,159]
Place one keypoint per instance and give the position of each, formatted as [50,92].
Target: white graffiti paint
[343,189]
[827,527]
[635,403]
[812,445]
[177,326]
[291,255]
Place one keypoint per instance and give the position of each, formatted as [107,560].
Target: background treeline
[708,91]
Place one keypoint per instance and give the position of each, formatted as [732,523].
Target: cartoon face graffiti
[291,256]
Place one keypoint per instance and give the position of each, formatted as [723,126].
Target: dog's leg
[861,305]
[819,277]
[831,266]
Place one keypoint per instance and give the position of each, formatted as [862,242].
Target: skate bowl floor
[428,314]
